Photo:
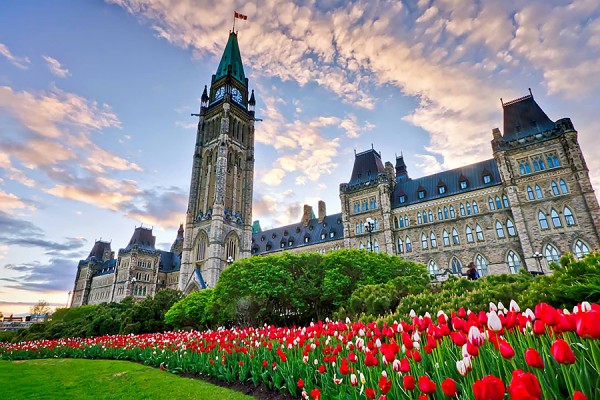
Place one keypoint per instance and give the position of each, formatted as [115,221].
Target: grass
[101,379]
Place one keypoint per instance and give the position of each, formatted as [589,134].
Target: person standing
[472,273]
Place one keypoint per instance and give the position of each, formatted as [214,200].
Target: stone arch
[200,247]
[232,246]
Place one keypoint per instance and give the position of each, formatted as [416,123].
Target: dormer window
[262,238]
[331,234]
[487,177]
[282,245]
[442,189]
[323,236]
[274,236]
[306,239]
[291,243]
[421,194]
[402,199]
[464,184]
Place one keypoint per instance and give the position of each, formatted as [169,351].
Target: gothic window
[432,267]
[376,224]
[376,246]
[201,249]
[231,247]
[538,192]
[514,262]
[401,222]
[446,238]
[356,207]
[430,215]
[524,167]
[481,264]
[469,233]
[563,187]
[542,220]
[498,203]
[365,205]
[445,212]
[491,204]
[452,213]
[510,228]
[307,238]
[440,214]
[552,160]
[424,241]
[373,203]
[396,223]
[538,163]
[505,201]
[433,240]
[455,266]
[530,195]
[554,186]
[361,226]
[424,217]
[462,209]
[499,229]
[408,245]
[569,219]
[361,246]
[419,218]
[357,228]
[400,246]
[468,206]
[475,207]
[580,249]
[551,253]
[555,219]
[478,232]
[406,221]
[368,245]
[455,238]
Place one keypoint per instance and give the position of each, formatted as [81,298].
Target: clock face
[236,95]
[220,93]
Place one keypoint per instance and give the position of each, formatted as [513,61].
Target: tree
[42,308]
[193,311]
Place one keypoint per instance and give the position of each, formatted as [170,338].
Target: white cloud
[55,67]
[10,202]
[20,62]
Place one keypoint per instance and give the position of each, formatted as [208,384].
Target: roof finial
[531,94]
[372,148]
[501,102]
[354,152]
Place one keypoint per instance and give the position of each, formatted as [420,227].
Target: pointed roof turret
[204,97]
[252,101]
[524,117]
[401,171]
[231,61]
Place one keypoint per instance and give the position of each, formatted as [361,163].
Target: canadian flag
[240,16]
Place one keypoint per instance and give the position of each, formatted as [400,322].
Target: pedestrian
[472,273]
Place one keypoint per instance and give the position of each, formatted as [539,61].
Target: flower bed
[546,353]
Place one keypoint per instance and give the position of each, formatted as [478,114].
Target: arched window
[481,264]
[362,227]
[368,245]
[452,213]
[530,195]
[542,220]
[538,163]
[491,204]
[563,187]
[538,192]
[430,216]
[555,190]
[551,253]
[524,167]
[446,238]
[424,217]
[514,262]
[201,249]
[376,224]
[433,240]
[455,238]
[396,223]
[505,201]
[406,221]
[478,232]
[475,207]
[462,209]
[432,267]
[510,228]
[440,215]
[424,241]
[400,246]
[469,233]
[231,247]
[455,266]
[498,203]
[419,218]
[468,206]
[445,212]
[408,245]
[569,219]
[375,246]
[499,229]
[555,219]
[580,249]
[401,222]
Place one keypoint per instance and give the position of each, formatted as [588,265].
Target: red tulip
[385,384]
[404,365]
[321,368]
[588,324]
[315,394]
[579,396]
[539,327]
[489,388]
[370,393]
[408,381]
[449,387]
[426,385]
[458,338]
[506,350]
[562,352]
[371,360]
[533,358]
[300,383]
[524,386]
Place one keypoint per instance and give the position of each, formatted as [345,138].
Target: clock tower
[219,215]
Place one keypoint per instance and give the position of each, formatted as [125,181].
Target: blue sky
[95,100]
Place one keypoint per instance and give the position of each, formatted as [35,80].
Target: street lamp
[133,281]
[370,225]
[229,260]
[538,257]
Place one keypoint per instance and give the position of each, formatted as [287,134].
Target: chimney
[307,214]
[389,170]
[496,133]
[322,212]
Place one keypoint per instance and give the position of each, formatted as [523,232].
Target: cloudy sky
[95,100]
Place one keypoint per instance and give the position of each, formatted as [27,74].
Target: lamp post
[229,261]
[133,281]
[370,225]
[538,257]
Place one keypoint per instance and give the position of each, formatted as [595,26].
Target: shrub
[194,311]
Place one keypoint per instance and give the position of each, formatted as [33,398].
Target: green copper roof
[231,56]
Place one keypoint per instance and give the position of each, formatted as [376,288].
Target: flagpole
[233,22]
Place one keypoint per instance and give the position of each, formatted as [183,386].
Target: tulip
[300,383]
[489,388]
[514,307]
[562,352]
[385,384]
[524,385]
[587,324]
[370,393]
[408,381]
[475,336]
[449,387]
[579,396]
[315,394]
[506,350]
[353,380]
[426,385]
[494,323]
[533,358]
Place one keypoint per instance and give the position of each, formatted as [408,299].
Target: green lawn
[101,379]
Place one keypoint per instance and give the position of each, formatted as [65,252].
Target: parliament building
[523,208]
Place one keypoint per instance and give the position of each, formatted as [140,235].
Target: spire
[180,231]
[231,61]
[204,97]
[401,171]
